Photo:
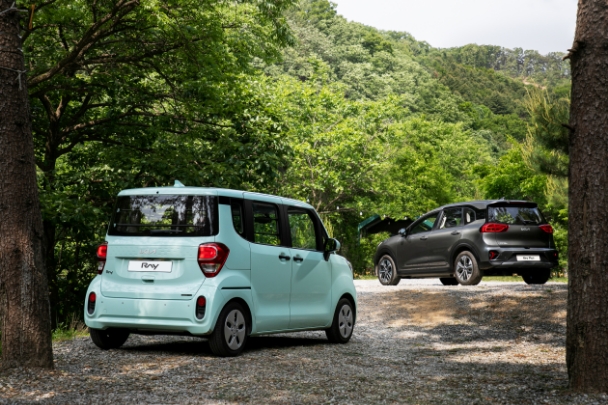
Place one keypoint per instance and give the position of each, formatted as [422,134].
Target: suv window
[266,224]
[165,215]
[302,229]
[425,225]
[515,214]
[236,207]
[451,218]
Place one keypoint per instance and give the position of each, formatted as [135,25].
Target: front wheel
[537,276]
[343,324]
[466,270]
[110,338]
[230,334]
[387,271]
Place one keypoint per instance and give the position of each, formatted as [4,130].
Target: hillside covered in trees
[288,99]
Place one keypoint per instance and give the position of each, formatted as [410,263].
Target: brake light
[211,258]
[91,305]
[493,254]
[547,228]
[492,227]
[102,254]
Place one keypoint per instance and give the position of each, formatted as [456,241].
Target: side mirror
[331,245]
[402,232]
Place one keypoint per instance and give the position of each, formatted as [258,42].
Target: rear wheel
[343,324]
[387,271]
[536,276]
[448,281]
[466,270]
[110,338]
[230,334]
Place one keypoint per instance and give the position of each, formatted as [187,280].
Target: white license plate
[150,265]
[528,258]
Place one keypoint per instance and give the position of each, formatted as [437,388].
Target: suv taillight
[492,227]
[102,254]
[547,228]
[211,258]
[91,305]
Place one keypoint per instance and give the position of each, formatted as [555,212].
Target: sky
[541,25]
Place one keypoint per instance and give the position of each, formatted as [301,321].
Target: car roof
[223,192]
[483,204]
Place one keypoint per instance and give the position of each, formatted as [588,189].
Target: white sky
[542,25]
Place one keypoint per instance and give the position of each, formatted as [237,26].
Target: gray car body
[432,253]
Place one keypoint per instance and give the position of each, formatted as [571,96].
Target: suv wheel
[537,276]
[343,324]
[110,338]
[466,269]
[387,271]
[230,334]
[448,281]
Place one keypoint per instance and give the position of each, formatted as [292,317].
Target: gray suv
[460,243]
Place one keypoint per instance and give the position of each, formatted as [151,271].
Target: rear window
[515,215]
[165,215]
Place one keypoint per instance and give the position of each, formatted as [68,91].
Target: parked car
[460,243]
[216,263]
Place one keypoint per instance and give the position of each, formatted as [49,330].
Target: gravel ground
[416,343]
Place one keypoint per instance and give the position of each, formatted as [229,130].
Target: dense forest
[284,98]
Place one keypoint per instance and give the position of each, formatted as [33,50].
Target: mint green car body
[277,295]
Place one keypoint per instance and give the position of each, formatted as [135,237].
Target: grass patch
[365,277]
[67,331]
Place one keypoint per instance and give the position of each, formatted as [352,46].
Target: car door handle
[298,259]
[455,233]
[283,256]
[424,238]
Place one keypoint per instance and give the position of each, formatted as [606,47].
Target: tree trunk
[587,333]
[24,300]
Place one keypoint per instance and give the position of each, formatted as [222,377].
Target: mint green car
[220,264]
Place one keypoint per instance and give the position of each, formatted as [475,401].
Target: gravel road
[415,343]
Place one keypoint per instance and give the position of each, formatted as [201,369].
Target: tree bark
[24,300]
[587,331]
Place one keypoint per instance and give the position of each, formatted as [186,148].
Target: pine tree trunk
[24,300]
[587,333]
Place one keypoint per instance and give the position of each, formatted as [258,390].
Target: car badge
[147,251]
[525,229]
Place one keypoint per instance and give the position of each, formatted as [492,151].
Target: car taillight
[102,254]
[201,303]
[211,258]
[493,254]
[547,228]
[91,305]
[492,227]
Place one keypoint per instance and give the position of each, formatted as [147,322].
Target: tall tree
[24,299]
[587,332]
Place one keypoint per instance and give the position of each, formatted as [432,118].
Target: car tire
[229,336]
[466,270]
[343,323]
[448,281]
[110,338]
[537,276]
[387,271]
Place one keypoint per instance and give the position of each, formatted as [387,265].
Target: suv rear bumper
[506,261]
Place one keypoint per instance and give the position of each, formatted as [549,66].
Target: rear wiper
[165,231]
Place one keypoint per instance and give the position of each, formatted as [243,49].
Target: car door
[414,253]
[446,234]
[310,304]
[271,265]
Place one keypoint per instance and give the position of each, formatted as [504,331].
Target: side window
[302,229]
[237,216]
[266,224]
[469,216]
[451,218]
[425,225]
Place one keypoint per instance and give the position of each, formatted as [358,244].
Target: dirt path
[417,343]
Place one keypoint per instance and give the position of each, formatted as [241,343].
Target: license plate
[150,265]
[528,258]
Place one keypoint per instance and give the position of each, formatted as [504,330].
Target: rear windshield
[165,215]
[515,214]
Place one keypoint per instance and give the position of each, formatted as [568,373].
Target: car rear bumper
[148,315]
[507,261]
